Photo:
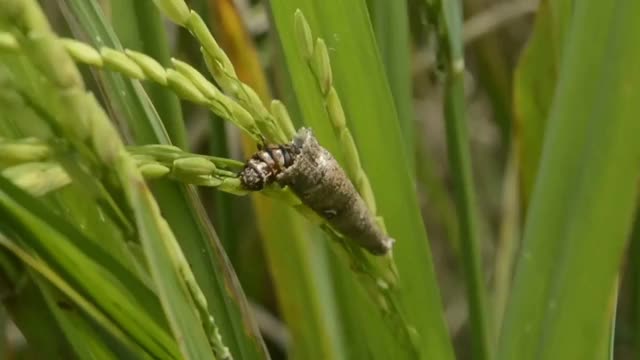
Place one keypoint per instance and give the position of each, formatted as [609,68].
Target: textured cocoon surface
[322,185]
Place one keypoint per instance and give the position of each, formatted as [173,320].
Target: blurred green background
[499,138]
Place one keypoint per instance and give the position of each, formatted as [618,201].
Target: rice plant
[252,180]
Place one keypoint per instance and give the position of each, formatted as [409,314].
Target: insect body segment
[265,165]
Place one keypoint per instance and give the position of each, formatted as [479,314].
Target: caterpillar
[315,176]
[265,165]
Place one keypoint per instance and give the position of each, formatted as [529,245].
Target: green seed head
[163,148]
[37,178]
[176,10]
[121,63]
[153,171]
[8,42]
[82,52]
[193,166]
[322,66]
[240,115]
[351,157]
[149,66]
[213,65]
[304,37]
[209,45]
[14,153]
[334,108]
[205,86]
[200,30]
[184,87]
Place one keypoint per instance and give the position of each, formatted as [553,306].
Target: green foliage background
[532,246]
